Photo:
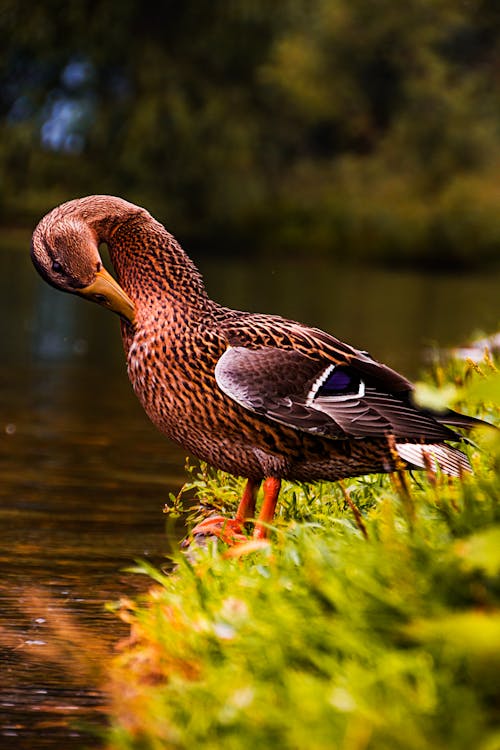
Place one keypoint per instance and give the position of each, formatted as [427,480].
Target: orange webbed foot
[228,530]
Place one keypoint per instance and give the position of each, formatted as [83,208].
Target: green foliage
[324,638]
[365,129]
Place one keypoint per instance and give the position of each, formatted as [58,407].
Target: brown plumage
[255,395]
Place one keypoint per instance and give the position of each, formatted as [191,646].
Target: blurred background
[350,128]
[335,161]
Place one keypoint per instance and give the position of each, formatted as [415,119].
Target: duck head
[64,250]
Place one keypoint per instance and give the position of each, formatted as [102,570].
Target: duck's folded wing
[323,397]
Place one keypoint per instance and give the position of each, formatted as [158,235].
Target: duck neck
[150,265]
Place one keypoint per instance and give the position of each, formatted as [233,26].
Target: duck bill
[107,292]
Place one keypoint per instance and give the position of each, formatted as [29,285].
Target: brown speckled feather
[255,395]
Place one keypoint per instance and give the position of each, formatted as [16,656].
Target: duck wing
[253,331]
[345,397]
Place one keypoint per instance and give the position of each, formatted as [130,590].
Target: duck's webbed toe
[228,530]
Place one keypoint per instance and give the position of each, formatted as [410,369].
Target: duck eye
[56,267]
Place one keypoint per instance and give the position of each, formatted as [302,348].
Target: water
[78,504]
[85,476]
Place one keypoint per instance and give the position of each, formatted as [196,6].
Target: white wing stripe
[318,383]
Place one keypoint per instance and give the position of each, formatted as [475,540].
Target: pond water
[84,476]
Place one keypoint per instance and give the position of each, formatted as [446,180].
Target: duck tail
[462,421]
[436,456]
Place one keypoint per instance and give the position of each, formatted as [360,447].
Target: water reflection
[78,504]
[85,476]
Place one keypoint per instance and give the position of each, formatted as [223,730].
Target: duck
[258,396]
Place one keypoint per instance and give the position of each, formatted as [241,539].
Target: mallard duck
[255,395]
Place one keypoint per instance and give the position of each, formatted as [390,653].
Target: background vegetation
[366,129]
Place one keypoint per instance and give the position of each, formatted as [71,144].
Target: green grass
[323,638]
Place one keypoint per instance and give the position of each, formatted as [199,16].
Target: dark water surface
[84,480]
[84,476]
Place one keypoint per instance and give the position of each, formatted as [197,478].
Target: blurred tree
[338,124]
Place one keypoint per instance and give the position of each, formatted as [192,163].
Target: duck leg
[230,530]
[272,487]
[246,508]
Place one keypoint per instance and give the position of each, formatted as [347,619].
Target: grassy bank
[377,631]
